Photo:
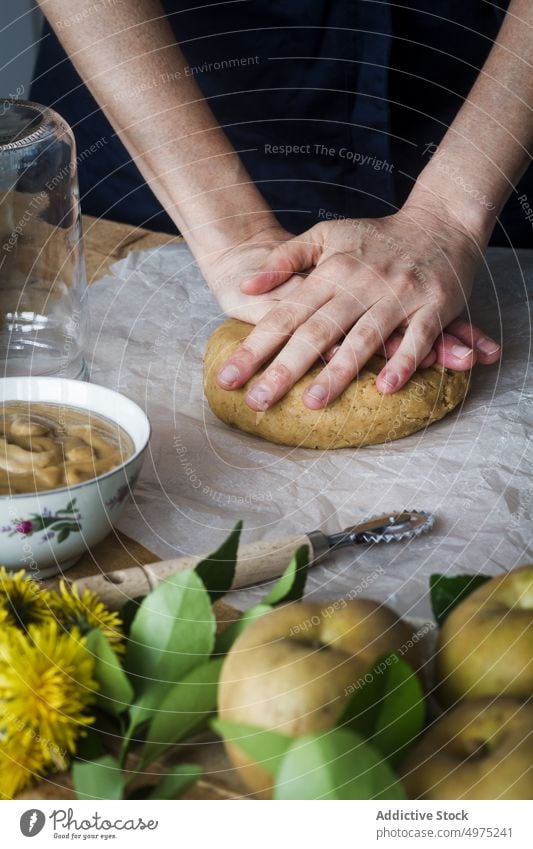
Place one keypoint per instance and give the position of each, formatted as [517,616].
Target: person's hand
[225,272]
[391,285]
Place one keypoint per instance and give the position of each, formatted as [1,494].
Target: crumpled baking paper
[150,321]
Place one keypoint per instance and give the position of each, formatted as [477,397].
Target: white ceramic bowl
[47,532]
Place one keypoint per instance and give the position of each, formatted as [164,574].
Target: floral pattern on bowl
[122,492]
[62,523]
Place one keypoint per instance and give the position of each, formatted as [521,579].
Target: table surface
[105,242]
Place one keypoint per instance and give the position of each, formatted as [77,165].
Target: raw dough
[361,416]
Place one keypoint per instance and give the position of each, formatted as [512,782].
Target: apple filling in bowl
[46,446]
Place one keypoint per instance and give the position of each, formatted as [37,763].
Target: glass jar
[43,286]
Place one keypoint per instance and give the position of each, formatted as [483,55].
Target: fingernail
[229,375]
[487,346]
[260,395]
[461,352]
[317,392]
[390,379]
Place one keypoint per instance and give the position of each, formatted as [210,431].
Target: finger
[254,308]
[270,334]
[429,360]
[487,350]
[365,338]
[298,254]
[331,353]
[307,343]
[452,353]
[393,343]
[416,344]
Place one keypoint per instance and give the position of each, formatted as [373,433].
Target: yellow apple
[485,645]
[293,669]
[482,749]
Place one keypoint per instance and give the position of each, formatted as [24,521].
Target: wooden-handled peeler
[259,561]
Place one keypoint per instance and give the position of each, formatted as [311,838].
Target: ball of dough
[360,416]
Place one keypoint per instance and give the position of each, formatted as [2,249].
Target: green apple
[482,749]
[293,669]
[485,645]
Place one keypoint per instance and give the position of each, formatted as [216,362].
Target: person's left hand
[395,285]
[225,270]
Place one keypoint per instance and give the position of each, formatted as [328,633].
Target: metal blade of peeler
[389,527]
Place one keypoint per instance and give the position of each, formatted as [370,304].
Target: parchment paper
[150,321]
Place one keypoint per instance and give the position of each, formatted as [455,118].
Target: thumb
[285,260]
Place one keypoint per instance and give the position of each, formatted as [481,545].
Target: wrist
[222,231]
[249,239]
[446,191]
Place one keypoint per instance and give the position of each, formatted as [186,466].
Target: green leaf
[217,571]
[63,535]
[388,707]
[115,692]
[176,782]
[446,593]
[176,645]
[172,632]
[291,585]
[265,747]
[225,640]
[39,523]
[336,764]
[100,779]
[185,708]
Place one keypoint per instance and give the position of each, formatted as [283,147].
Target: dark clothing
[333,103]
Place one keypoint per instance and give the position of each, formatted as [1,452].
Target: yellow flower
[21,760]
[46,684]
[22,600]
[86,612]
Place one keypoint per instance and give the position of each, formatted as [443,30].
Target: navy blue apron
[335,105]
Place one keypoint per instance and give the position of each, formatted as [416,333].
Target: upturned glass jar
[42,270]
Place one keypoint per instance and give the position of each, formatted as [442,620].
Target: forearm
[488,146]
[126,54]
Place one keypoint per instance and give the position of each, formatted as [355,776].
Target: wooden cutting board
[105,243]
